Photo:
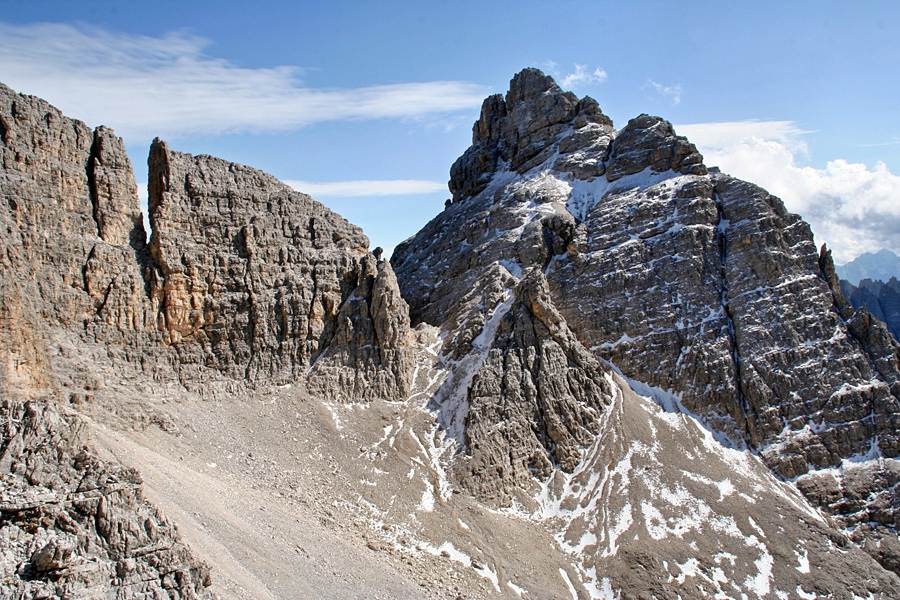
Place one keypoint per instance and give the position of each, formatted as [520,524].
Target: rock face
[881,299]
[243,277]
[258,281]
[536,401]
[613,344]
[244,283]
[72,525]
[691,282]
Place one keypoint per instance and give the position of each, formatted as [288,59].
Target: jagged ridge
[692,282]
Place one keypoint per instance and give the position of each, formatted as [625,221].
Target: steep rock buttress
[690,281]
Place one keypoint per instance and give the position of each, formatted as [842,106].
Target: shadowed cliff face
[692,282]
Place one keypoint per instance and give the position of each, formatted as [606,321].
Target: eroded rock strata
[615,346]
[75,526]
[243,277]
[690,281]
[243,283]
[258,282]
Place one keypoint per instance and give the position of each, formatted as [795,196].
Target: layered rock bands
[687,280]
[243,278]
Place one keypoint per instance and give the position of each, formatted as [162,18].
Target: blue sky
[365,105]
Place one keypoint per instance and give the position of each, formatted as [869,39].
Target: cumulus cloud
[145,86]
[852,208]
[672,92]
[364,187]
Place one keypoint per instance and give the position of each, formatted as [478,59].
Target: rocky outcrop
[537,121]
[243,277]
[258,281]
[244,283]
[688,281]
[71,220]
[571,254]
[537,400]
[650,142]
[525,128]
[72,525]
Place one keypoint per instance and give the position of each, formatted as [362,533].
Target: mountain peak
[537,124]
[881,265]
[530,83]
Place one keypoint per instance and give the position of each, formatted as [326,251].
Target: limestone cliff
[258,281]
[692,282]
[243,278]
[244,283]
[615,346]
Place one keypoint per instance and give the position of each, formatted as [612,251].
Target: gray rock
[526,128]
[259,281]
[535,402]
[244,283]
[694,283]
[243,276]
[69,521]
[650,142]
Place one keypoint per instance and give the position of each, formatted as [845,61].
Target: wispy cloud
[362,187]
[146,86]
[852,208]
[672,92]
[583,76]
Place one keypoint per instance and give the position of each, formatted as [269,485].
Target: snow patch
[518,590]
[427,502]
[804,595]
[568,581]
[452,398]
[803,559]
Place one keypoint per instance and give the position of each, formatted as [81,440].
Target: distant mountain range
[881,298]
[881,265]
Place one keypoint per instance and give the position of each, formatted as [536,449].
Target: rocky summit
[603,371]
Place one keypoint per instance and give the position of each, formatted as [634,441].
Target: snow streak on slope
[451,400]
[660,480]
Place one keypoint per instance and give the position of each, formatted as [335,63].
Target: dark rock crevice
[722,240]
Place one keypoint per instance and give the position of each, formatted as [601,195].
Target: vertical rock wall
[243,277]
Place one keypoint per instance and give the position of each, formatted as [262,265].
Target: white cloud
[582,76]
[673,92]
[145,86]
[722,134]
[850,207]
[362,187]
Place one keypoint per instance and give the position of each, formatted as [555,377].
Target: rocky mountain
[243,281]
[881,265]
[602,371]
[691,282]
[881,299]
